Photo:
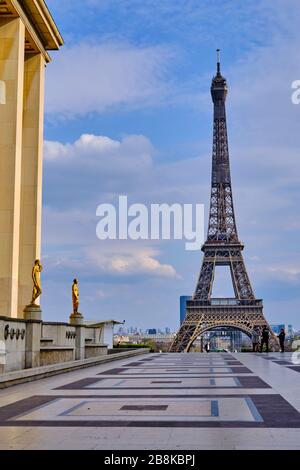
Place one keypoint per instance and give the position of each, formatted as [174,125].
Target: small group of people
[260,338]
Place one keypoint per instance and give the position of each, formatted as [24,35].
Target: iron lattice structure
[222,247]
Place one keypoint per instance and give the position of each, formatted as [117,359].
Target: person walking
[281,338]
[255,339]
[265,335]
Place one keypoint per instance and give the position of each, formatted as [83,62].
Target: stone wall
[56,355]
[94,350]
[13,345]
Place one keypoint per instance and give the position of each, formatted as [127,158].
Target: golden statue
[36,277]
[75,297]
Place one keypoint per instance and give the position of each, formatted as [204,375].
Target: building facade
[27,33]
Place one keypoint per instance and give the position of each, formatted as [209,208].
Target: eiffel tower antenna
[222,248]
[218,61]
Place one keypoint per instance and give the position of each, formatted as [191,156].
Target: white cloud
[54,150]
[129,260]
[285,273]
[93,168]
[89,77]
[132,153]
[106,260]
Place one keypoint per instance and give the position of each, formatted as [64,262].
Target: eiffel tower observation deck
[221,248]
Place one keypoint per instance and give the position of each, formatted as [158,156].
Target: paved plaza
[159,401]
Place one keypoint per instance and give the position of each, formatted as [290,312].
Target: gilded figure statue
[36,278]
[75,296]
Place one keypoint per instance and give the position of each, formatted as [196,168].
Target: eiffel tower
[222,248]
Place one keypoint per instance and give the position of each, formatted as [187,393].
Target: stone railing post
[80,342]
[32,343]
[77,321]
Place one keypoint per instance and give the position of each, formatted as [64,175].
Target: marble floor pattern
[159,401]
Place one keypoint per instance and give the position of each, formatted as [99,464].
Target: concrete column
[80,342]
[31,182]
[33,343]
[12,45]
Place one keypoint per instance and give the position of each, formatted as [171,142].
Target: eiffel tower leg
[195,334]
[241,282]
[205,281]
[182,339]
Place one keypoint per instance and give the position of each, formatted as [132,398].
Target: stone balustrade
[33,343]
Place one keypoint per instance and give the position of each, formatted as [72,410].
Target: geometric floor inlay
[163,390]
[216,409]
[148,383]
[206,411]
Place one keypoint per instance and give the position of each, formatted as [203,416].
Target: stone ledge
[36,373]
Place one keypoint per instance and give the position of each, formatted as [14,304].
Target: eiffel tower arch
[222,248]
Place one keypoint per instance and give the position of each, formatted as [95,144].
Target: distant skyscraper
[152,331]
[183,300]
[290,331]
[277,328]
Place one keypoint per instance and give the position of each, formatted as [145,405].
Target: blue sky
[134,77]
